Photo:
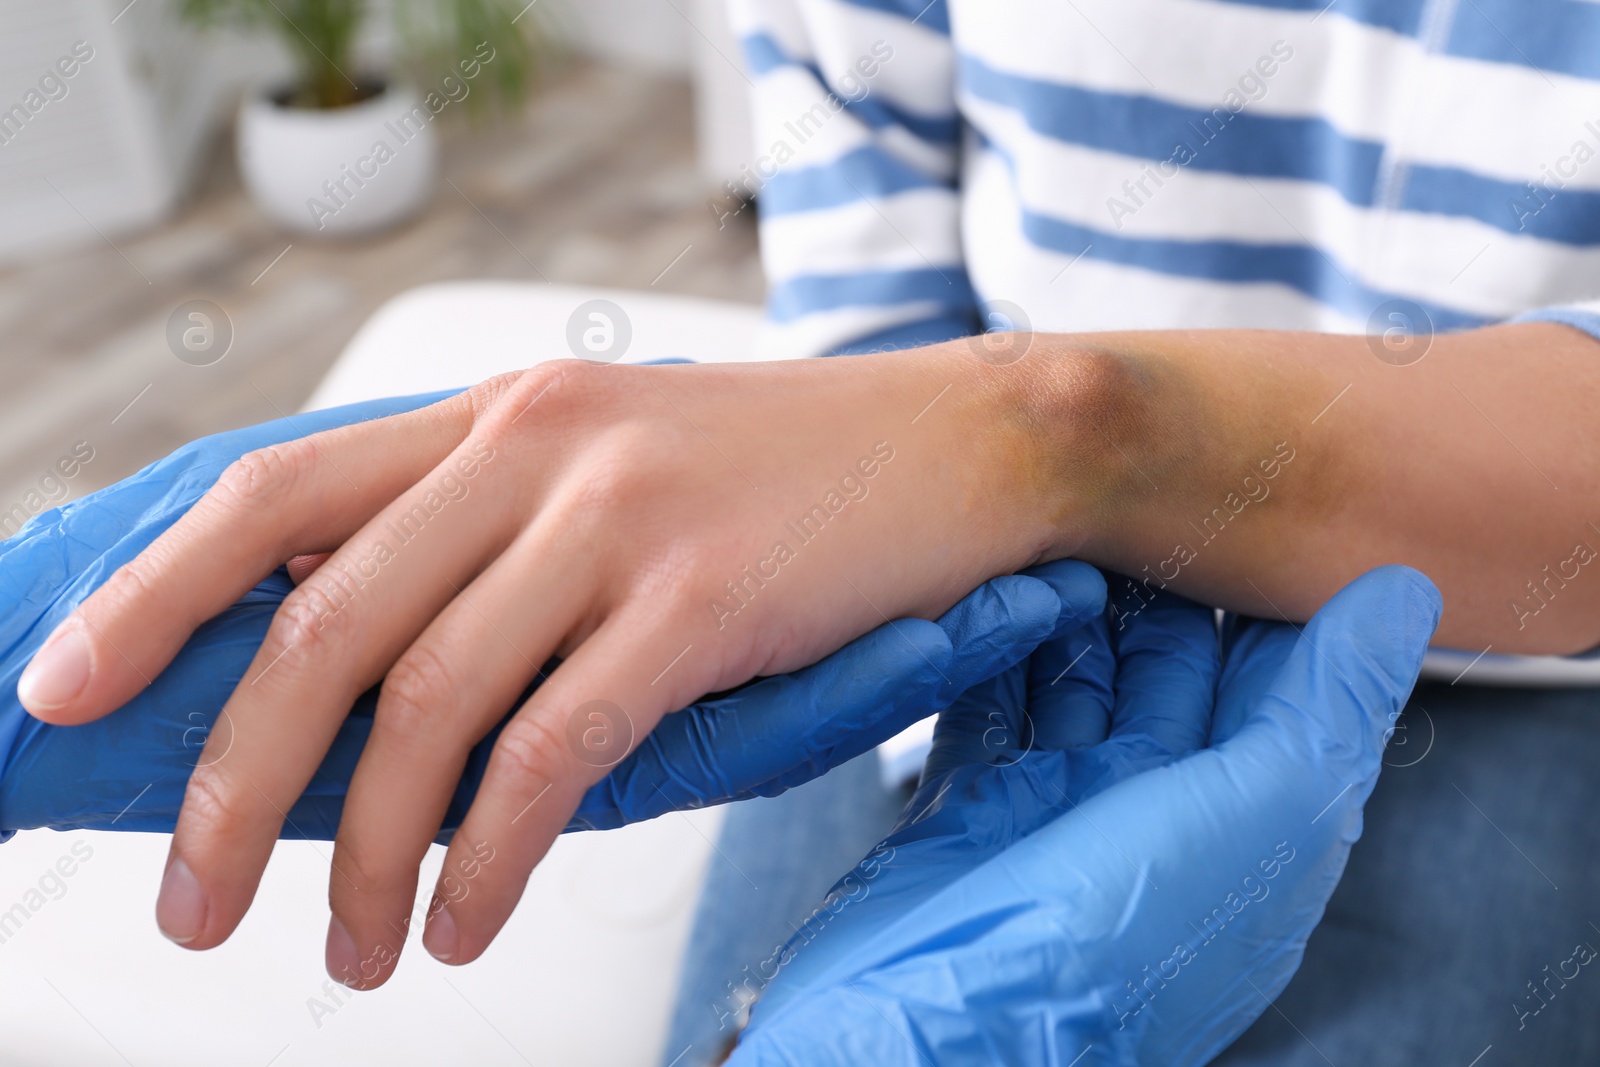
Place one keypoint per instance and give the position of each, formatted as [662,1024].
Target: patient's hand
[128,771]
[667,531]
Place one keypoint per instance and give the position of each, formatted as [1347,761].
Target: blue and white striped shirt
[1120,164]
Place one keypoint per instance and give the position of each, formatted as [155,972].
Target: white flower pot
[343,171]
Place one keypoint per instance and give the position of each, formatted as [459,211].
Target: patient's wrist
[1144,436]
[1132,450]
[1089,421]
[1260,471]
[1063,431]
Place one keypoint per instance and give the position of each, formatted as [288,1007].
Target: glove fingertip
[1426,601]
[1383,622]
[1347,674]
[925,636]
[1079,588]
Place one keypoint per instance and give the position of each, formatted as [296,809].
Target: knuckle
[363,874]
[262,476]
[136,582]
[416,696]
[481,398]
[620,472]
[555,390]
[677,573]
[533,749]
[553,373]
[215,808]
[607,488]
[310,618]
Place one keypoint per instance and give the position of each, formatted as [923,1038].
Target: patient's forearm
[1261,471]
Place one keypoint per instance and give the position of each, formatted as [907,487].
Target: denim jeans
[1466,900]
[775,860]
[1466,925]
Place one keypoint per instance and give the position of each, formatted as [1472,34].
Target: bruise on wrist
[1107,430]
[1166,441]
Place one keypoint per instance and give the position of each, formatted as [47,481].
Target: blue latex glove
[128,770]
[780,732]
[1110,904]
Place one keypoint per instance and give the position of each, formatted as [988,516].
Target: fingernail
[181,907]
[58,672]
[440,938]
[340,955]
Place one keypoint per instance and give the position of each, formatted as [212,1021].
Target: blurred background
[597,156]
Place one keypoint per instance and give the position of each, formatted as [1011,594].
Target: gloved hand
[1119,902]
[780,732]
[128,770]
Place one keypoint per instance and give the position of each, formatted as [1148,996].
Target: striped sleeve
[857,139]
[1583,316]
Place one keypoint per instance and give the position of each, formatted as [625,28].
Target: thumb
[1341,680]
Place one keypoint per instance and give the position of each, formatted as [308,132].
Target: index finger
[285,498]
[1167,667]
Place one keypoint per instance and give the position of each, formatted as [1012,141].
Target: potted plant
[342,149]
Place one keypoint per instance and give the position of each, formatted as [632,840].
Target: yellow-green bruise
[1134,437]
[1222,412]
[1113,425]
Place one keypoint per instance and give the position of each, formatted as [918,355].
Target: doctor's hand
[665,531]
[1100,897]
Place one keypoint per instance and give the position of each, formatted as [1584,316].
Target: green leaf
[482,54]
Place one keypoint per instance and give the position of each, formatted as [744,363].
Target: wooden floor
[595,183]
